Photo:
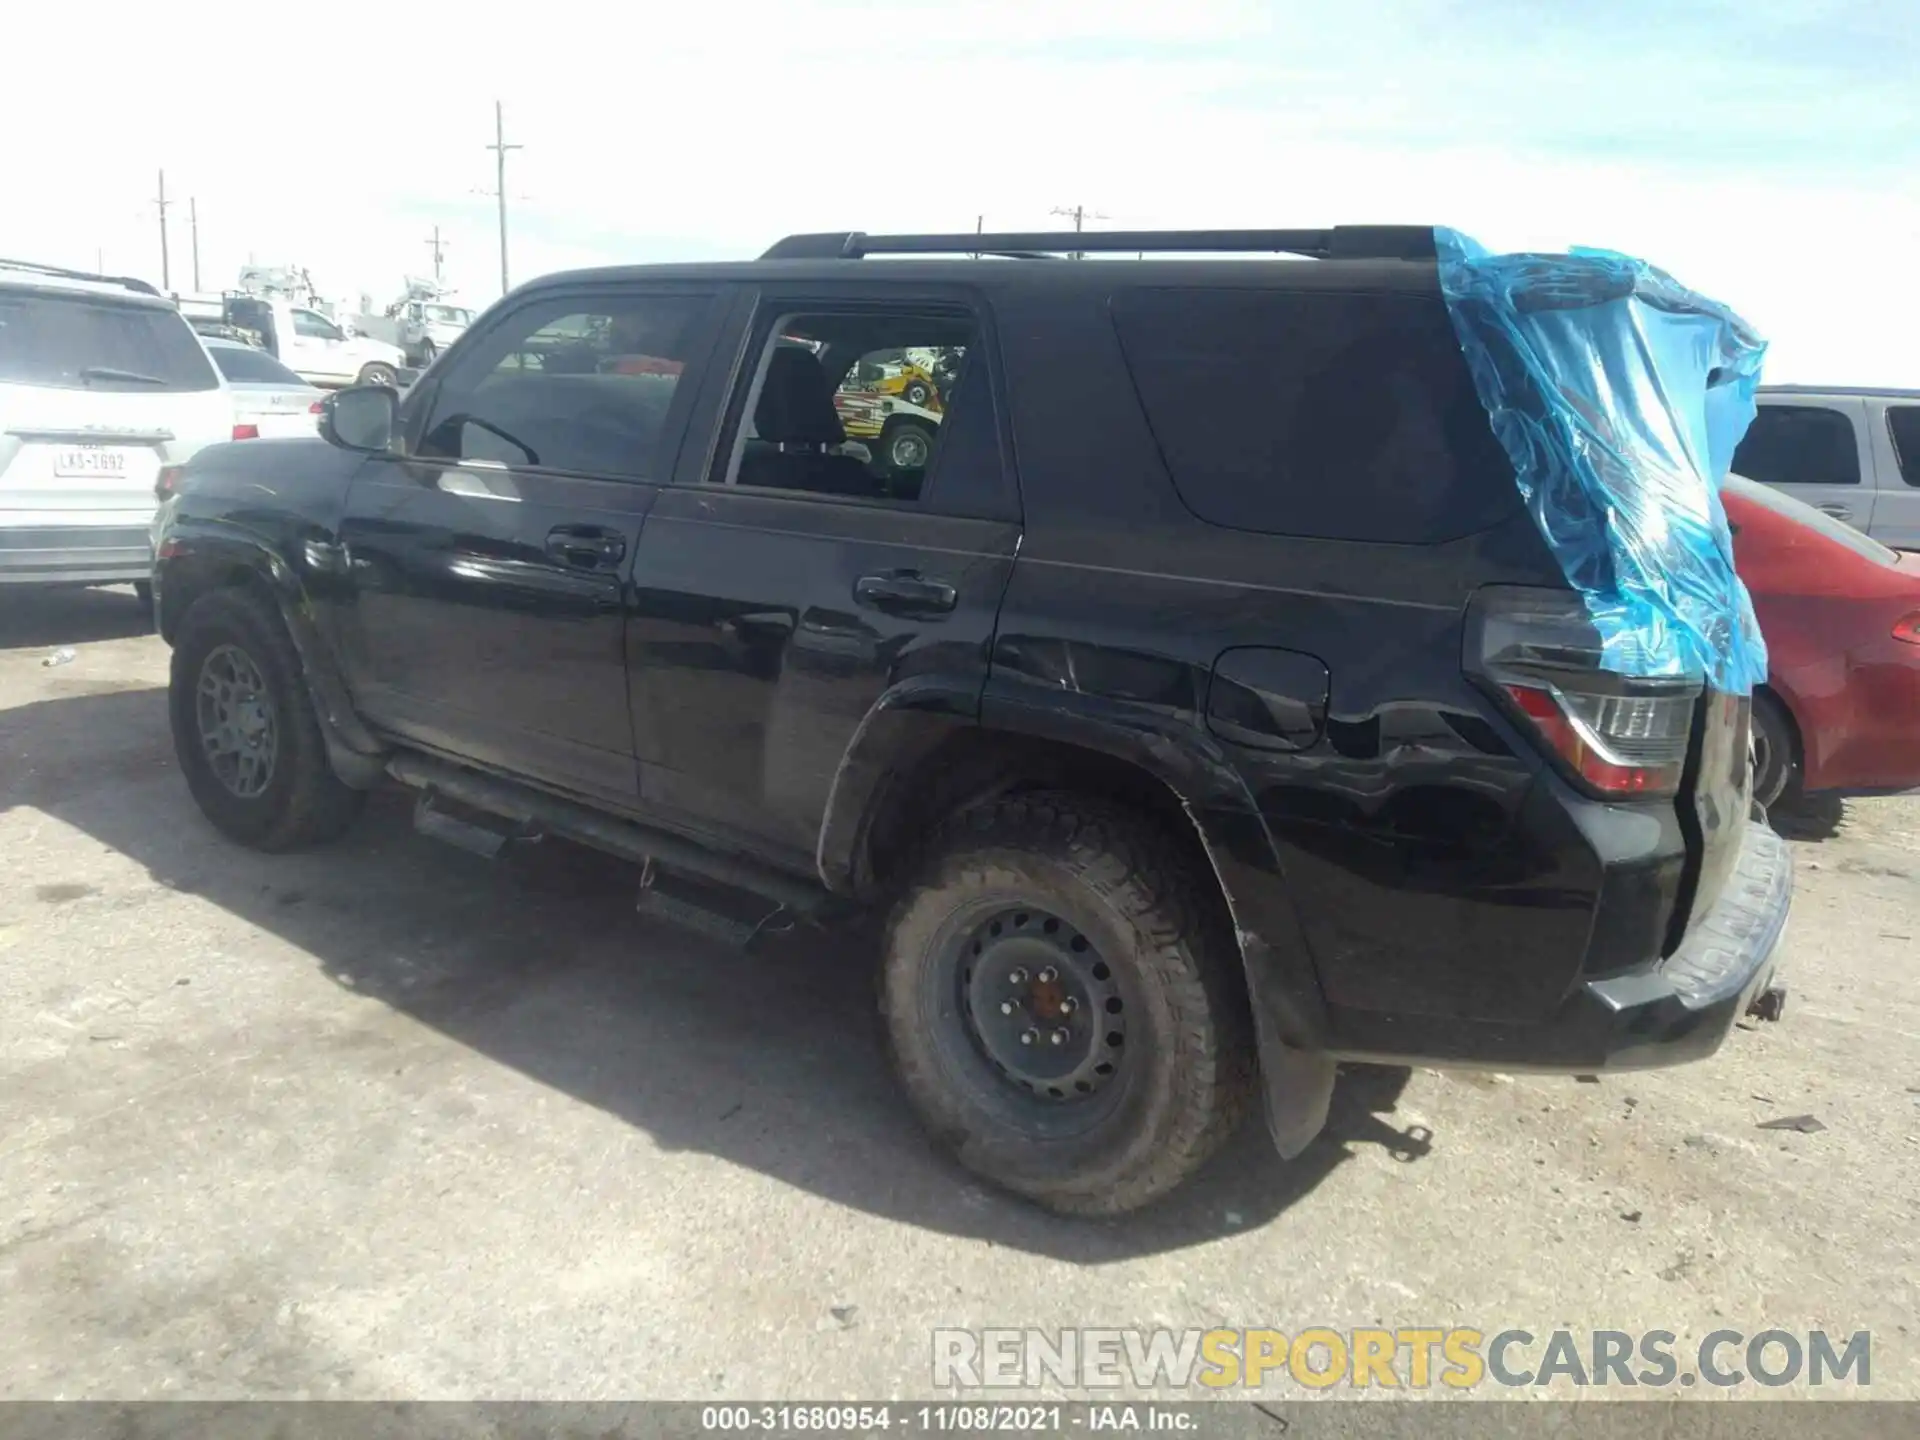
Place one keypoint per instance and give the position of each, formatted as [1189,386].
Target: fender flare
[198,559]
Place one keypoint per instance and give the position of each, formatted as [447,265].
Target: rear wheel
[379,374]
[245,731]
[143,592]
[1063,1003]
[1776,762]
[907,447]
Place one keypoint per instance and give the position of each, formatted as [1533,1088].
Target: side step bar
[532,812]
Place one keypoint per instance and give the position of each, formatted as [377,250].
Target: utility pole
[166,271]
[1079,214]
[500,147]
[193,219]
[436,244]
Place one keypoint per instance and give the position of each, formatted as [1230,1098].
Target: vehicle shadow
[33,616]
[1813,817]
[771,1060]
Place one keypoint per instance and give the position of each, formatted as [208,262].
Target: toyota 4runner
[1203,708]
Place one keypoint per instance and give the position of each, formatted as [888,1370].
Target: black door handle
[586,547]
[905,592]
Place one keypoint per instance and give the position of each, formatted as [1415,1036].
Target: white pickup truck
[421,325]
[319,350]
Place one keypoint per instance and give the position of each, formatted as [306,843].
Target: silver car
[1853,454]
[269,400]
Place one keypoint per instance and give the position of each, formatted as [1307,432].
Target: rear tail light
[166,482]
[1907,628]
[246,432]
[318,407]
[1540,654]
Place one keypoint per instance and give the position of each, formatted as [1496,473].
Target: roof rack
[1341,242]
[33,267]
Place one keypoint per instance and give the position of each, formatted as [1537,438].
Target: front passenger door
[490,563]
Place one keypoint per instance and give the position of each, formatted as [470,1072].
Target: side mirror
[361,417]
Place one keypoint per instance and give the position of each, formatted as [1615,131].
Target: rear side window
[1326,415]
[244,365]
[1799,445]
[86,342]
[1904,422]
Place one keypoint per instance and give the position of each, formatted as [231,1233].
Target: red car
[1841,616]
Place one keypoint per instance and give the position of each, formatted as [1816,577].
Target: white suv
[102,382]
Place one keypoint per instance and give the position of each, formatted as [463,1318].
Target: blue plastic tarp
[1619,396]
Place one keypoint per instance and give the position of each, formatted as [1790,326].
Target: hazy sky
[1767,152]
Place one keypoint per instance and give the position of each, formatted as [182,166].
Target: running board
[528,813]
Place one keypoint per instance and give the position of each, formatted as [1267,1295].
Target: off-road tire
[304,803]
[1189,1066]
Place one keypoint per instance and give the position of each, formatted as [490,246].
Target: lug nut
[1068,1005]
[1016,977]
[1006,1007]
[1049,975]
[1027,1037]
[1059,1037]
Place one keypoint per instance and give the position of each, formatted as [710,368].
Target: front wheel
[1064,1006]
[379,374]
[908,447]
[245,731]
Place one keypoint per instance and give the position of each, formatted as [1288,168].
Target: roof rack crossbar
[34,267]
[1341,242]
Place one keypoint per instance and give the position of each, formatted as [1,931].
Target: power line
[500,147]
[166,270]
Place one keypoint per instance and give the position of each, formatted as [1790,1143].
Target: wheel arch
[919,756]
[195,565]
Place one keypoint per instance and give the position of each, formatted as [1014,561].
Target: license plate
[81,460]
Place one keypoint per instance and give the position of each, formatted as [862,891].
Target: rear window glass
[1799,445]
[1904,422]
[82,342]
[246,366]
[1327,415]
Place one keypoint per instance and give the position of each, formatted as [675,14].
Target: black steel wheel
[1064,1003]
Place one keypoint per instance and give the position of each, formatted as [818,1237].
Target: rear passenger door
[1896,518]
[799,573]
[490,562]
[1815,451]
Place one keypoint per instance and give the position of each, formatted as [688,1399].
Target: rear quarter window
[87,342]
[1328,415]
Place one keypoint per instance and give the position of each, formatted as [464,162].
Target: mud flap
[1298,1087]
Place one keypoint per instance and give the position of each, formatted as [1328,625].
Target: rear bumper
[75,554]
[1673,1011]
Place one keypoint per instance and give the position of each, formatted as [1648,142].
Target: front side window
[1903,421]
[582,386]
[852,404]
[1799,445]
[315,326]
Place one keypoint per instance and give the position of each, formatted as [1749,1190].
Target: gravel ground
[389,1120]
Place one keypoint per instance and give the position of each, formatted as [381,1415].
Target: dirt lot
[388,1120]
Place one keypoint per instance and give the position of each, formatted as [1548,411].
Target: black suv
[1199,701]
